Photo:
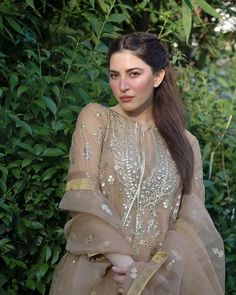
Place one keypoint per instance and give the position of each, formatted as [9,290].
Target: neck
[143,115]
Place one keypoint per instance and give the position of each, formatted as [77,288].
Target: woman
[135,191]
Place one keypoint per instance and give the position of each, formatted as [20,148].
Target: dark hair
[167,110]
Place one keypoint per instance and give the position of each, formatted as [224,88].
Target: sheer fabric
[124,196]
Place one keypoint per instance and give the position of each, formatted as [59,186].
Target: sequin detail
[87,153]
[218,252]
[106,209]
[133,273]
[142,194]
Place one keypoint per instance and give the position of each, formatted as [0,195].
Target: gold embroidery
[82,183]
[142,193]
[143,278]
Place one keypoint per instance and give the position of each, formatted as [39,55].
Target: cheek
[114,86]
[144,85]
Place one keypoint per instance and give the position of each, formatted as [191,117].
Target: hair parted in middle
[167,106]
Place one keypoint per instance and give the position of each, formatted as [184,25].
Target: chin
[127,107]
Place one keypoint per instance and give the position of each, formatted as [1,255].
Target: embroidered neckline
[127,118]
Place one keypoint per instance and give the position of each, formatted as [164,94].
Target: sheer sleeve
[197,187]
[191,260]
[95,227]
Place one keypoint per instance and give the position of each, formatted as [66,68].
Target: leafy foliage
[52,63]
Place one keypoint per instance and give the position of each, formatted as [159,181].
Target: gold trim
[141,281]
[96,257]
[82,183]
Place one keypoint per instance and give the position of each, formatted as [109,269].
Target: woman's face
[132,81]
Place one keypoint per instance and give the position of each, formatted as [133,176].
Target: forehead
[126,59]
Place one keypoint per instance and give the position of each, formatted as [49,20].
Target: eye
[134,74]
[113,76]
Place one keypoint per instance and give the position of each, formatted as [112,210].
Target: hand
[119,276]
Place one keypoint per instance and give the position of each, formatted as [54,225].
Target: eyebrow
[128,71]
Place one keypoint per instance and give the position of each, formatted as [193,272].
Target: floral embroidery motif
[143,243]
[89,240]
[143,194]
[99,134]
[87,153]
[82,126]
[198,176]
[133,273]
[166,203]
[106,243]
[218,252]
[111,179]
[106,209]
[170,264]
[177,256]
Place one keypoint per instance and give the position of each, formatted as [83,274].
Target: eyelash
[113,76]
[132,75]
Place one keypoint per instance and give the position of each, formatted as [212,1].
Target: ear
[158,78]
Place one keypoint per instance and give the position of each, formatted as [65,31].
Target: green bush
[52,63]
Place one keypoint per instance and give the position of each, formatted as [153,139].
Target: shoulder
[93,112]
[92,116]
[191,138]
[194,144]
[94,108]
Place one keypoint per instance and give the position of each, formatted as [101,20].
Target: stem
[104,23]
[66,77]
[218,144]
[40,71]
[162,28]
[225,175]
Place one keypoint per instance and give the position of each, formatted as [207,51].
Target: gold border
[141,281]
[82,183]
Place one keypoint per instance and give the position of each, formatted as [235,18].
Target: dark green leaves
[187,17]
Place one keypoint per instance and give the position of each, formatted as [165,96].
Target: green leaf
[92,2]
[73,78]
[20,123]
[26,162]
[13,79]
[50,105]
[30,284]
[48,252]
[41,287]
[207,8]
[56,91]
[117,18]
[25,146]
[53,152]
[14,24]
[21,89]
[143,4]
[48,173]
[21,264]
[187,18]
[41,270]
[3,279]
[25,126]
[3,186]
[30,3]
[56,254]
[33,224]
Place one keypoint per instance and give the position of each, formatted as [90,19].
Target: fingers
[119,270]
[119,279]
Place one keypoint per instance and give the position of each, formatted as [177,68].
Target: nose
[124,86]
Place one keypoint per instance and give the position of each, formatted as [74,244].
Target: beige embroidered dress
[124,196]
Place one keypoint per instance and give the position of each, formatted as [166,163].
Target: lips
[126,98]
